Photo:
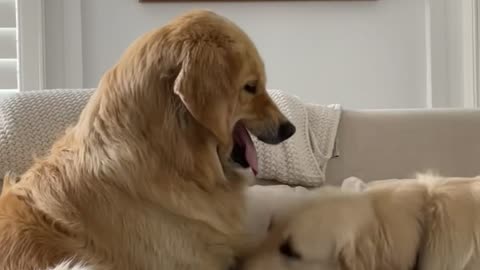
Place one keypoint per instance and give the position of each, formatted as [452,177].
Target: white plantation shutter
[8,46]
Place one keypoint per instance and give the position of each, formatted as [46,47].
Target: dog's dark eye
[251,88]
[288,251]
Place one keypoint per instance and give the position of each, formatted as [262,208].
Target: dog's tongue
[243,139]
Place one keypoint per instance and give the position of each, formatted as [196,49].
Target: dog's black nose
[275,136]
[286,130]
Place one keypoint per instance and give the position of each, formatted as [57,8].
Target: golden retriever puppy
[151,175]
[427,223]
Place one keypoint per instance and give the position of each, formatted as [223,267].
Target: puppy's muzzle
[278,134]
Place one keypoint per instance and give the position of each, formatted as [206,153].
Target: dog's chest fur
[146,237]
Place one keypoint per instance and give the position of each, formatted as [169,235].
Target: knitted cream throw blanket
[302,159]
[31,121]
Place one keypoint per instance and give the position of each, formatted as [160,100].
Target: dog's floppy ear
[204,86]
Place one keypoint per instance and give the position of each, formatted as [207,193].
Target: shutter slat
[8,46]
[7,13]
[8,74]
[8,43]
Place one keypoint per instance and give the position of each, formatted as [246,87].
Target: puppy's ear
[357,256]
[204,85]
[346,257]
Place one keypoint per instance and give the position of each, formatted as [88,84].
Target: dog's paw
[353,184]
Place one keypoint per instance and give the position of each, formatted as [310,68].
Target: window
[8,46]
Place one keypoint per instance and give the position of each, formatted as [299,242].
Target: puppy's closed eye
[288,251]
[270,225]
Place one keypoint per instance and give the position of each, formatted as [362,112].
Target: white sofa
[371,144]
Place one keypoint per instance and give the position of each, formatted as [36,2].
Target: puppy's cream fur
[430,222]
[144,180]
[69,266]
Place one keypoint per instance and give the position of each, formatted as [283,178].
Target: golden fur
[8,181]
[144,179]
[429,223]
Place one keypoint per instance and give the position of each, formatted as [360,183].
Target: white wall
[54,49]
[361,54]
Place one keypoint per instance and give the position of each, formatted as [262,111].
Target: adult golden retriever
[149,176]
[430,223]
